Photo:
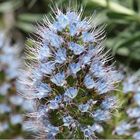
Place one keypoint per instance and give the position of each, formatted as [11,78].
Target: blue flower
[4,126]
[137,98]
[73,17]
[44,52]
[54,39]
[71,92]
[57,26]
[109,102]
[43,90]
[74,68]
[101,115]
[83,26]
[59,98]
[53,104]
[52,131]
[16,100]
[134,112]
[88,37]
[91,102]
[103,86]
[48,67]
[63,20]
[4,108]
[136,135]
[76,48]
[67,120]
[97,68]
[4,88]
[73,29]
[60,56]
[123,128]
[16,119]
[88,132]
[87,58]
[59,79]
[83,107]
[128,87]
[97,128]
[89,82]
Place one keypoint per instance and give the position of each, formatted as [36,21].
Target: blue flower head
[75,77]
[12,105]
[130,126]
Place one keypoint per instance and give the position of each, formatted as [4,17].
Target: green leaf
[10,5]
[27,27]
[30,17]
[113,6]
[129,41]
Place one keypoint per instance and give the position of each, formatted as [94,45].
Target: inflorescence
[12,105]
[130,125]
[68,77]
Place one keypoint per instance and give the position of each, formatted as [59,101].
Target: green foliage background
[122,18]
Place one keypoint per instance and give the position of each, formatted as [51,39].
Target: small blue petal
[53,104]
[67,120]
[47,68]
[60,56]
[88,132]
[83,25]
[73,17]
[103,87]
[136,135]
[137,98]
[51,131]
[123,128]
[83,107]
[128,87]
[54,39]
[44,53]
[57,26]
[109,102]
[86,58]
[43,90]
[101,115]
[91,102]
[4,88]
[4,108]
[76,48]
[134,112]
[16,119]
[71,92]
[63,20]
[4,126]
[37,75]
[89,82]
[87,37]
[74,68]
[97,128]
[97,69]
[16,100]
[59,79]
[59,98]
[73,29]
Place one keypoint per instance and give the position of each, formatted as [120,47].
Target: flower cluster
[131,125]
[11,104]
[69,77]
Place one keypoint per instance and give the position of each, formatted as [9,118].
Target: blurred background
[17,20]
